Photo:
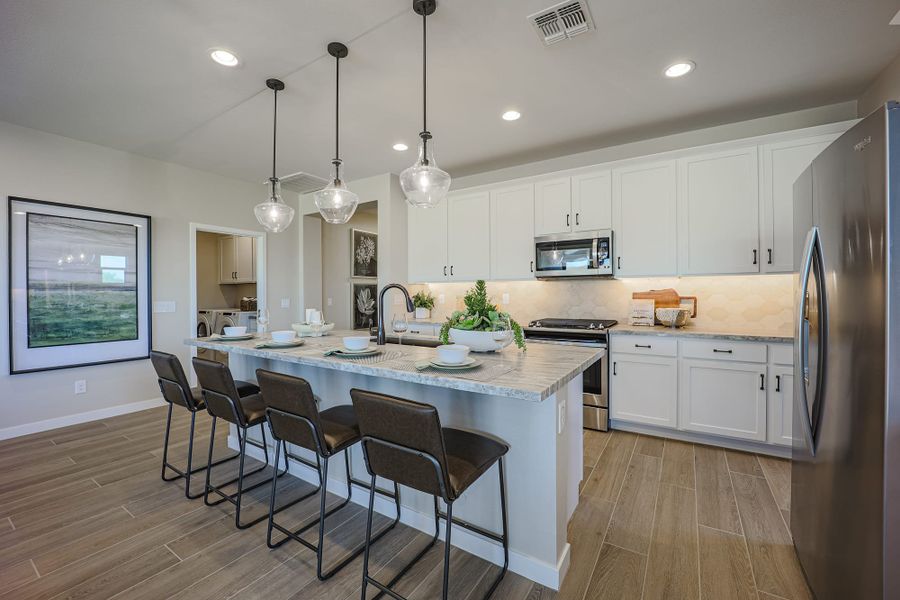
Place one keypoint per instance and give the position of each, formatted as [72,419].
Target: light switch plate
[80,386]
[330,302]
[505,298]
[441,299]
[164,306]
[285,303]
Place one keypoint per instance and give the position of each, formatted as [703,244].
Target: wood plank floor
[83,514]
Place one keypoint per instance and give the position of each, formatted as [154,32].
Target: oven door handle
[595,254]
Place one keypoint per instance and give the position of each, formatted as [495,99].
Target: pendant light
[274,214]
[336,203]
[424,184]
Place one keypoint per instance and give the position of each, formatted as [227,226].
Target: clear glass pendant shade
[424,184]
[336,203]
[274,214]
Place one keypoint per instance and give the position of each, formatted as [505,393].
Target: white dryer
[235,318]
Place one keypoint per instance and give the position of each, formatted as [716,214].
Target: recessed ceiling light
[511,115]
[680,69]
[224,57]
[400,147]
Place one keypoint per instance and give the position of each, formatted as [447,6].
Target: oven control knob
[592,326]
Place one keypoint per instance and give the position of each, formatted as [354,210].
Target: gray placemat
[479,373]
[370,360]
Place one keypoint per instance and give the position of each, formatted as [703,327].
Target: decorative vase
[478,341]
[423,313]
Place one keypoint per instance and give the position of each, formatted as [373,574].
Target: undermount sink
[409,341]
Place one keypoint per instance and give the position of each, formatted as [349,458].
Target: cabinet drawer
[644,344]
[781,354]
[724,350]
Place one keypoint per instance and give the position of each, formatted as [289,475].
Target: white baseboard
[78,418]
[543,573]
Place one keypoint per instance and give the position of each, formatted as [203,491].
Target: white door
[781,164]
[553,206]
[592,201]
[781,405]
[723,398]
[512,232]
[643,389]
[644,208]
[469,236]
[427,243]
[227,256]
[718,213]
[244,259]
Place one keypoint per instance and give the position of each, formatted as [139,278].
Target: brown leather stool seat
[173,385]
[403,441]
[294,416]
[223,398]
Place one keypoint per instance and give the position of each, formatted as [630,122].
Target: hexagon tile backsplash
[762,303]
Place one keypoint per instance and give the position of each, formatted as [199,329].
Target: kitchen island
[532,400]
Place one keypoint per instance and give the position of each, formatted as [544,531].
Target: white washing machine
[235,318]
[206,326]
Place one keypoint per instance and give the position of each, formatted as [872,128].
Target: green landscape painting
[82,281]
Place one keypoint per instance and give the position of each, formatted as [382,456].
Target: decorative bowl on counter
[305,329]
[673,317]
[479,341]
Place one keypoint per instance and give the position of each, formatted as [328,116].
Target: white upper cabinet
[782,164]
[553,206]
[644,227]
[427,243]
[591,203]
[469,236]
[718,212]
[512,232]
[237,259]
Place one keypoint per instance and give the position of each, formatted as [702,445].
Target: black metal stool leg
[209,487]
[447,551]
[186,475]
[165,455]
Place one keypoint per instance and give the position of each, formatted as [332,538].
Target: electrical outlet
[80,386]
[285,303]
[561,417]
[505,298]
[441,299]
[330,302]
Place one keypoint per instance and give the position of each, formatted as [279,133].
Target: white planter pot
[477,341]
[423,313]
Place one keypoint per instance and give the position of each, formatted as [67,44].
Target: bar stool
[403,441]
[223,401]
[294,417]
[175,390]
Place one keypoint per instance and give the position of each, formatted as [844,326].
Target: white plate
[233,338]
[344,352]
[469,363]
[273,344]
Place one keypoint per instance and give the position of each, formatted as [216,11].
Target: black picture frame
[143,291]
[363,254]
[361,319]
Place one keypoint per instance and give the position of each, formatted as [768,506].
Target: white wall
[885,87]
[42,166]
[336,257]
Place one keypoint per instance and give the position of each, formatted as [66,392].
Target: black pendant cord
[274,136]
[425,135]
[337,119]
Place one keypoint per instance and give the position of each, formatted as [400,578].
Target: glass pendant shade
[273,214]
[336,203]
[424,184]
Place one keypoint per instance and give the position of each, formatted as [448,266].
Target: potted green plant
[482,326]
[424,302]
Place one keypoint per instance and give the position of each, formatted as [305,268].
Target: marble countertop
[691,331]
[534,375]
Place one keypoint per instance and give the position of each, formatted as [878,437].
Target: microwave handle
[595,254]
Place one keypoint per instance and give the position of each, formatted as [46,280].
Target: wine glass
[317,323]
[501,331]
[399,325]
[262,320]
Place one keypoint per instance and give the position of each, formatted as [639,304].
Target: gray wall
[336,280]
[42,166]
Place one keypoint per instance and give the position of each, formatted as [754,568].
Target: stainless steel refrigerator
[845,483]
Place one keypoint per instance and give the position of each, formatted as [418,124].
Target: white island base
[543,466]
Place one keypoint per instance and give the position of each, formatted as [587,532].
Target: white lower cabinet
[723,398]
[781,405]
[644,389]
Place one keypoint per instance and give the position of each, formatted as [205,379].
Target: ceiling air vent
[562,21]
[302,183]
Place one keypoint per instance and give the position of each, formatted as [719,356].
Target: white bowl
[234,330]
[452,354]
[356,342]
[286,335]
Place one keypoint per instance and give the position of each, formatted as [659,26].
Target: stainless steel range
[581,332]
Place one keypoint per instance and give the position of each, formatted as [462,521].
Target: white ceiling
[135,75]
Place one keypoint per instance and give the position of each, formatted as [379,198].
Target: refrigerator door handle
[813,247]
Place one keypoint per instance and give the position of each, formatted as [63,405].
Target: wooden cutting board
[667,298]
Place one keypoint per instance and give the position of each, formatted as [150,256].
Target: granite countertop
[535,375]
[691,331]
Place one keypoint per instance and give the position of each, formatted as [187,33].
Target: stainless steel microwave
[580,254]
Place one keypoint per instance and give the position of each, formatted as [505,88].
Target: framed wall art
[364,253]
[79,286]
